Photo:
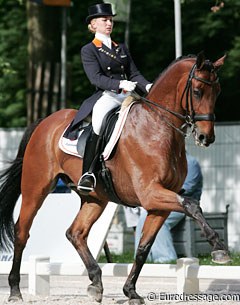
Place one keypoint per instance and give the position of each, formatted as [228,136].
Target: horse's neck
[156,125]
[166,92]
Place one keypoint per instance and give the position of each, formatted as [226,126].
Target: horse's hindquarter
[149,159]
[42,155]
[50,129]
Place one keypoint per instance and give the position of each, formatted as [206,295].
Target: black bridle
[190,118]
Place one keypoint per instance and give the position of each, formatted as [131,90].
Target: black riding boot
[87,182]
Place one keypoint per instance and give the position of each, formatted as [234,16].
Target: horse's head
[199,97]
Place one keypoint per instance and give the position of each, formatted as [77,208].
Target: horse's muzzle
[203,139]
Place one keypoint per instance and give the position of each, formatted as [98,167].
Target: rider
[110,68]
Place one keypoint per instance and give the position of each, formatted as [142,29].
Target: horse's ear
[200,60]
[219,63]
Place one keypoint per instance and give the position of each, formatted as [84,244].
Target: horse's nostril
[201,137]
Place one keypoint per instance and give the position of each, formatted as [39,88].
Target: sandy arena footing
[72,290]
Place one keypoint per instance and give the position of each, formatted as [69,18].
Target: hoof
[95,293]
[136,301]
[15,298]
[220,257]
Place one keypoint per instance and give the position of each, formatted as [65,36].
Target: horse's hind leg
[28,211]
[34,191]
[77,235]
[220,253]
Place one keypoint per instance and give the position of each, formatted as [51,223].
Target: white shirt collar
[105,39]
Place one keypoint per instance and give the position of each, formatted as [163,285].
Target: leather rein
[190,117]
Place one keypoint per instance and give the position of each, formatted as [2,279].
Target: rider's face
[103,25]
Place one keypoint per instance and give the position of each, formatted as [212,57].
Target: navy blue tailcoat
[105,68]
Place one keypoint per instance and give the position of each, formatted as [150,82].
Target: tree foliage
[13,61]
[152,44]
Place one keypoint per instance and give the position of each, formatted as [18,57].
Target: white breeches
[107,102]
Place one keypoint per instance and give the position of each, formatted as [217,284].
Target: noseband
[190,118]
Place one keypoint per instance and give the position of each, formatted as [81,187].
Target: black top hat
[99,10]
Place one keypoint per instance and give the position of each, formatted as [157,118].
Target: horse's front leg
[77,234]
[220,253]
[152,224]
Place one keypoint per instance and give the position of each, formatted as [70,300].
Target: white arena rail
[187,272]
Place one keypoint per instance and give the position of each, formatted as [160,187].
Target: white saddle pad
[70,147]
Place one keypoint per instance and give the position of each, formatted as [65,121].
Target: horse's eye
[197,93]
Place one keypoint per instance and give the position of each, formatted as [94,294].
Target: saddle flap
[82,139]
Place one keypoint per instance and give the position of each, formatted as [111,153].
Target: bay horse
[148,169]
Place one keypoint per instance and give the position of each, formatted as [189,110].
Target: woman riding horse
[111,70]
[148,169]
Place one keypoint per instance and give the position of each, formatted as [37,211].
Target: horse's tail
[10,190]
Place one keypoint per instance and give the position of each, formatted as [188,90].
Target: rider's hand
[126,85]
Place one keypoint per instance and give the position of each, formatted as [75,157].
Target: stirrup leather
[85,188]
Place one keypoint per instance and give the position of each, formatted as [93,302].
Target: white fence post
[38,279]
[185,284]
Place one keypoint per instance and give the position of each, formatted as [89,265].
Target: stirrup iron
[85,188]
